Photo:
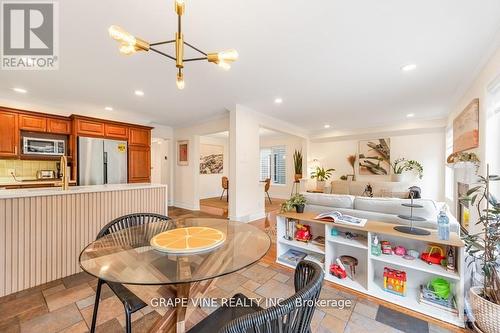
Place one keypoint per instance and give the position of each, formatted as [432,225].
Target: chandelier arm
[195,59]
[162,53]
[161,43]
[195,48]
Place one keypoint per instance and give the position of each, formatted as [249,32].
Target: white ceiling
[333,61]
[263,133]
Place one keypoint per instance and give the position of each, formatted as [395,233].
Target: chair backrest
[131,220]
[268,184]
[225,182]
[294,314]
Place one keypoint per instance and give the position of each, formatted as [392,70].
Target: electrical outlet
[11,171]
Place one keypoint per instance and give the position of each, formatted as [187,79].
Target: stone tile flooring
[66,305]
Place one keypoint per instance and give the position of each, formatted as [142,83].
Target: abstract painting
[211,159]
[374,157]
[466,128]
[183,152]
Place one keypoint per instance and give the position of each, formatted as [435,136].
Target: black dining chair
[130,301]
[285,317]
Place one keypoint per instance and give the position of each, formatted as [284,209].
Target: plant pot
[299,208]
[397,177]
[485,312]
[320,185]
[298,177]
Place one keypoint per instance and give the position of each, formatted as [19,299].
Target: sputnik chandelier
[130,44]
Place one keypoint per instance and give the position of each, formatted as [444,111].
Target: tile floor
[66,305]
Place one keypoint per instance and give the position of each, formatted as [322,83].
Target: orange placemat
[188,240]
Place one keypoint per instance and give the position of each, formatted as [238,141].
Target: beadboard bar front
[41,236]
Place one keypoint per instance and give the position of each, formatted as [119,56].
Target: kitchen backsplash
[23,168]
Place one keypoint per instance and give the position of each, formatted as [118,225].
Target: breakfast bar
[44,230]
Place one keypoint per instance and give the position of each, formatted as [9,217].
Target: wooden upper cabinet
[89,127]
[32,123]
[58,126]
[9,134]
[139,136]
[139,164]
[116,131]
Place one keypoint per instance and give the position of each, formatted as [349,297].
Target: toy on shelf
[351,262]
[411,255]
[386,247]
[399,250]
[338,270]
[334,232]
[395,281]
[303,232]
[434,255]
[450,260]
[376,249]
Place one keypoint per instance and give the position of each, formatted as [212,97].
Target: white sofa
[379,188]
[378,209]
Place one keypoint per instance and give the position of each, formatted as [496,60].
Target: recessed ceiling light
[409,67]
[20,90]
[139,93]
[410,115]
[278,100]
[108,108]
[326,126]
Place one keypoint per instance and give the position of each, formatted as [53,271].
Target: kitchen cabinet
[32,123]
[58,126]
[89,127]
[9,134]
[139,136]
[116,131]
[139,164]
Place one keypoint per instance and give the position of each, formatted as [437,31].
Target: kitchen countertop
[47,191]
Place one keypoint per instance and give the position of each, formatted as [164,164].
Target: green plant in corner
[296,200]
[484,246]
[297,164]
[321,174]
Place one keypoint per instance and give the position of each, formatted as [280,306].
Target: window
[493,134]
[273,164]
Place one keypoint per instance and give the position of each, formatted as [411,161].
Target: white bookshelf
[368,278]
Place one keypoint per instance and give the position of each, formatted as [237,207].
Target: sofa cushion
[393,206]
[329,200]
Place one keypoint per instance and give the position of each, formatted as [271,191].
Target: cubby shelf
[369,271]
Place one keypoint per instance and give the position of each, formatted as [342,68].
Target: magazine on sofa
[338,217]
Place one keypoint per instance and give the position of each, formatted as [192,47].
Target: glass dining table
[127,257]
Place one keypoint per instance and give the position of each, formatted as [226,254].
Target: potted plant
[484,248]
[401,165]
[297,164]
[321,174]
[297,201]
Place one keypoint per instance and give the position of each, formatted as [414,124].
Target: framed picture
[211,159]
[374,157]
[466,128]
[183,152]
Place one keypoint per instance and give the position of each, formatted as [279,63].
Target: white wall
[428,148]
[210,184]
[291,143]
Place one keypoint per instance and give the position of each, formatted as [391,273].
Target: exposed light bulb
[121,35]
[228,55]
[224,65]
[180,81]
[127,49]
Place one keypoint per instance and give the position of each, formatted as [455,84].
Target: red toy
[386,247]
[435,255]
[395,281]
[338,271]
[303,233]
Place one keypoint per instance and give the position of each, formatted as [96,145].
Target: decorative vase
[320,185]
[298,177]
[299,208]
[397,177]
[485,312]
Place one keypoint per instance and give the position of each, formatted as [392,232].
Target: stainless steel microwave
[42,146]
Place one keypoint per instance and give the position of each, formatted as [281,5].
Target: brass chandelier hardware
[130,44]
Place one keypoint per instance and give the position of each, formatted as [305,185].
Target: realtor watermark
[30,35]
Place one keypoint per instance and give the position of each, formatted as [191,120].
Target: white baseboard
[249,217]
[186,206]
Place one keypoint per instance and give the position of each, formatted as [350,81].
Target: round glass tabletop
[127,257]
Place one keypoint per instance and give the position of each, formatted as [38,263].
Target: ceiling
[335,62]
[263,133]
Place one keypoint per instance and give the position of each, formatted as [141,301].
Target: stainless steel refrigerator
[101,161]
